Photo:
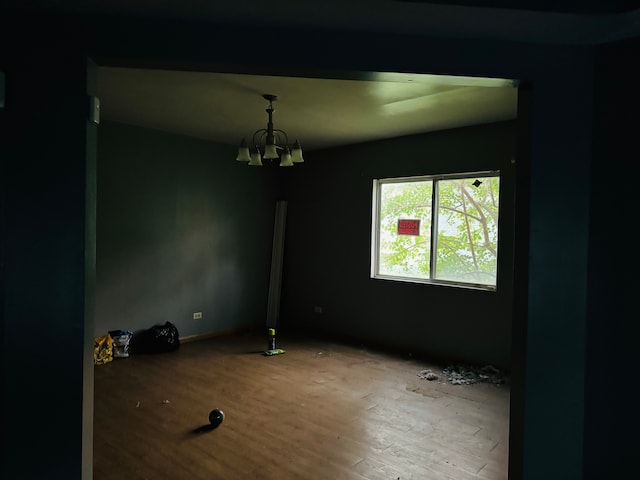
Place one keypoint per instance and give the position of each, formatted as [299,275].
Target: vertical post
[91,180]
[2,89]
[277,255]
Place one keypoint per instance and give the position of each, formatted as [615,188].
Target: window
[437,229]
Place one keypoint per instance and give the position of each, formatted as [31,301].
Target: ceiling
[320,113]
[226,107]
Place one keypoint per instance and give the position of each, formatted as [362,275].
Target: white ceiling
[318,112]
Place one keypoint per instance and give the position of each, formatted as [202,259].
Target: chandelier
[267,141]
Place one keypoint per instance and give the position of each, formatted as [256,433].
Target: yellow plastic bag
[103,349]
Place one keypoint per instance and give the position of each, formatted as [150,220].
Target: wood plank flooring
[322,410]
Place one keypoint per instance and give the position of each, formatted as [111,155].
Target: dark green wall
[612,324]
[182,228]
[47,215]
[328,249]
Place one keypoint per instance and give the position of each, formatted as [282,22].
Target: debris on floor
[467,375]
[428,375]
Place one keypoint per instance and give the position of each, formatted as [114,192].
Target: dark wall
[564,6]
[47,213]
[328,249]
[555,217]
[182,228]
[612,326]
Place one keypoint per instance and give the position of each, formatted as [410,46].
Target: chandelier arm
[259,134]
[284,134]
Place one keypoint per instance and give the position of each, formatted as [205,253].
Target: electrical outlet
[317,309]
[197,315]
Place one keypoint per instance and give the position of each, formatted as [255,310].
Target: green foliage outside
[405,255]
[467,236]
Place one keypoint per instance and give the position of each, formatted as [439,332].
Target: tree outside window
[457,238]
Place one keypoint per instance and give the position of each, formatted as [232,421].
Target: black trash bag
[157,339]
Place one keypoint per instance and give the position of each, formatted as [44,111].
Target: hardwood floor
[322,410]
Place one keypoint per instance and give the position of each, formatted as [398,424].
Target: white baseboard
[207,336]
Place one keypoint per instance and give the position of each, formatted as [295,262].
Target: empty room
[374,257]
[387,256]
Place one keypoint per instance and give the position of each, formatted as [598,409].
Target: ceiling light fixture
[266,143]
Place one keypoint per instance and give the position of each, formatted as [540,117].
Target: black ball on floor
[215,417]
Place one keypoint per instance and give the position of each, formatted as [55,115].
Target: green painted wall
[328,249]
[46,267]
[182,228]
[611,425]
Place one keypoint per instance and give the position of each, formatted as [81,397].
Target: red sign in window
[408,227]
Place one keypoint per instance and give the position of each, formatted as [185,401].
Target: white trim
[442,283]
[207,336]
[375,229]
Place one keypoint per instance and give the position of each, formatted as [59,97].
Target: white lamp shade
[296,153]
[243,154]
[256,159]
[270,152]
[286,159]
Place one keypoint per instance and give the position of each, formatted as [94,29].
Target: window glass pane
[403,249]
[467,241]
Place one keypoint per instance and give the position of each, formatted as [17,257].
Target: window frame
[375,228]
